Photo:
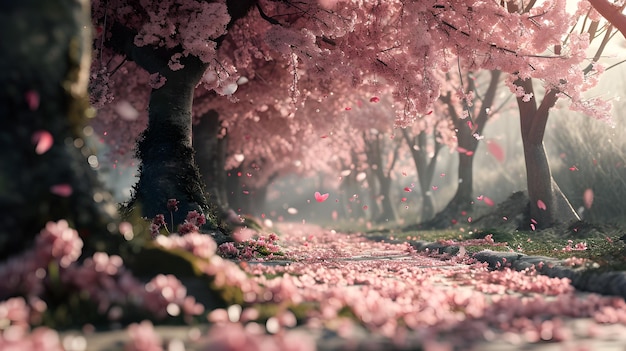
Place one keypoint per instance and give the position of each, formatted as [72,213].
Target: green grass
[604,248]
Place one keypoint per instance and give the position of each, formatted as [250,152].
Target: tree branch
[612,13]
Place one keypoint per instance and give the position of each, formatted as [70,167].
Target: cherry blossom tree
[400,45]
[46,172]
[548,205]
[175,43]
[469,110]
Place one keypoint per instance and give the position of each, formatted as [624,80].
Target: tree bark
[612,13]
[211,158]
[168,169]
[548,205]
[44,71]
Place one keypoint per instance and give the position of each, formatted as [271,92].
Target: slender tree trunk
[350,188]
[548,205]
[467,142]
[373,192]
[425,168]
[374,149]
[234,191]
[388,211]
[44,72]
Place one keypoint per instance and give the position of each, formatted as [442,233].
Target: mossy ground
[604,246]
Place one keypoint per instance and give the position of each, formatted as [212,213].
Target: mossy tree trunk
[44,72]
[167,169]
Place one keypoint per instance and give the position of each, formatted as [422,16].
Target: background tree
[397,44]
[469,111]
[548,205]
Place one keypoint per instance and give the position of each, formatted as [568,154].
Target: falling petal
[407,189]
[374,99]
[403,199]
[361,176]
[588,198]
[348,108]
[292,210]
[126,110]
[43,141]
[365,207]
[461,150]
[469,153]
[435,187]
[573,168]
[32,100]
[541,205]
[488,201]
[320,197]
[495,150]
[480,198]
[63,190]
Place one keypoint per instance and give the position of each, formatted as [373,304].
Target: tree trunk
[44,71]
[425,168]
[234,190]
[374,151]
[349,188]
[374,208]
[388,213]
[463,198]
[168,169]
[43,93]
[211,158]
[548,205]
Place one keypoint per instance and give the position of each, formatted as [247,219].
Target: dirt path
[403,299]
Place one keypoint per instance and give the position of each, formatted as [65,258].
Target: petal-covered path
[360,294]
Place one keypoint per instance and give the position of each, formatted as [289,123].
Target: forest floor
[355,291]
